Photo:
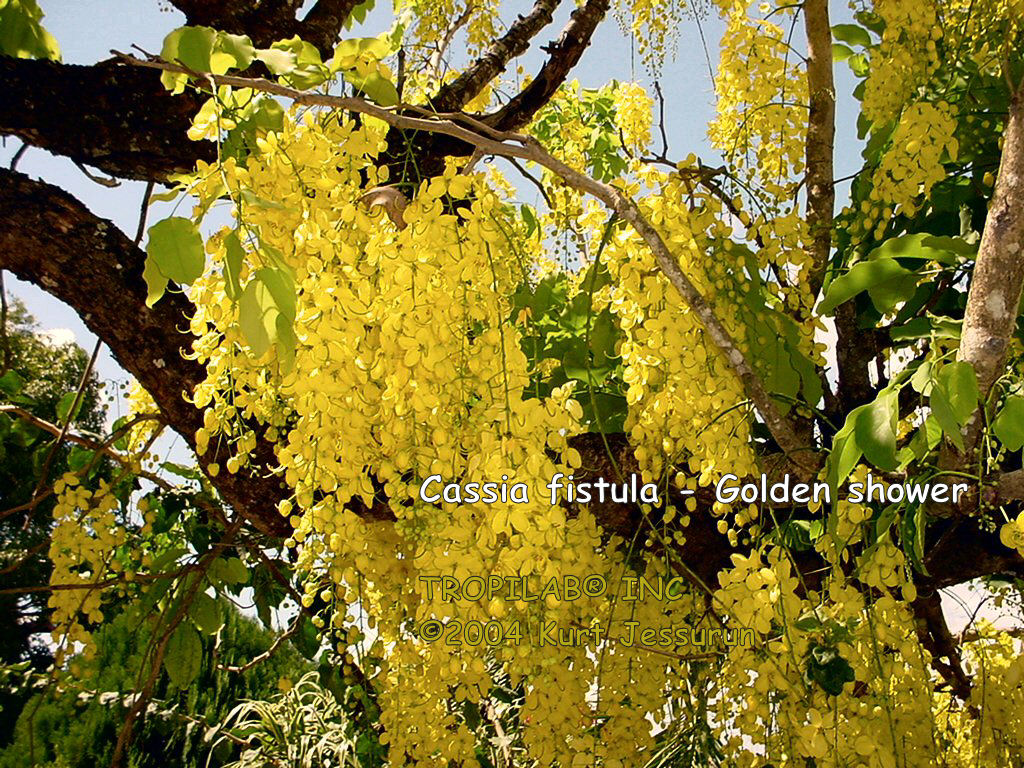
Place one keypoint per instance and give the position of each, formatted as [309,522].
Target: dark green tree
[38,381]
[76,724]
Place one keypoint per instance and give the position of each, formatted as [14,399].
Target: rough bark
[563,55]
[271,20]
[821,132]
[994,298]
[455,95]
[50,239]
[116,118]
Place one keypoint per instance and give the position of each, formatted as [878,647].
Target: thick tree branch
[994,298]
[455,95]
[323,24]
[267,21]
[264,21]
[50,239]
[116,118]
[938,640]
[821,131]
[563,56]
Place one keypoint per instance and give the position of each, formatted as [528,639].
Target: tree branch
[118,119]
[322,25]
[264,21]
[821,131]
[455,95]
[50,239]
[994,297]
[563,56]
[938,640]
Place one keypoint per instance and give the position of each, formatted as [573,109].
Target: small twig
[97,584]
[661,118]
[103,182]
[278,642]
[143,212]
[4,339]
[18,155]
[533,180]
[88,442]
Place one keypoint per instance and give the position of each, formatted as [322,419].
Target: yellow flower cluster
[681,390]
[905,59]
[435,21]
[140,403]
[653,26]
[85,534]
[407,362]
[1011,534]
[761,120]
[913,163]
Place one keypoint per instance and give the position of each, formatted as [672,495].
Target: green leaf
[800,535]
[921,381]
[925,247]
[235,571]
[234,257]
[21,34]
[377,87]
[884,278]
[278,61]
[228,570]
[176,248]
[808,622]
[374,47]
[286,342]
[875,430]
[190,46]
[79,458]
[156,283]
[295,61]
[959,383]
[64,414]
[845,453]
[257,317]
[307,639]
[183,655]
[231,52]
[1008,425]
[266,312]
[11,383]
[205,614]
[841,52]
[251,198]
[854,34]
[942,410]
[913,524]
[358,14]
[926,327]
[188,473]
[282,289]
[859,64]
